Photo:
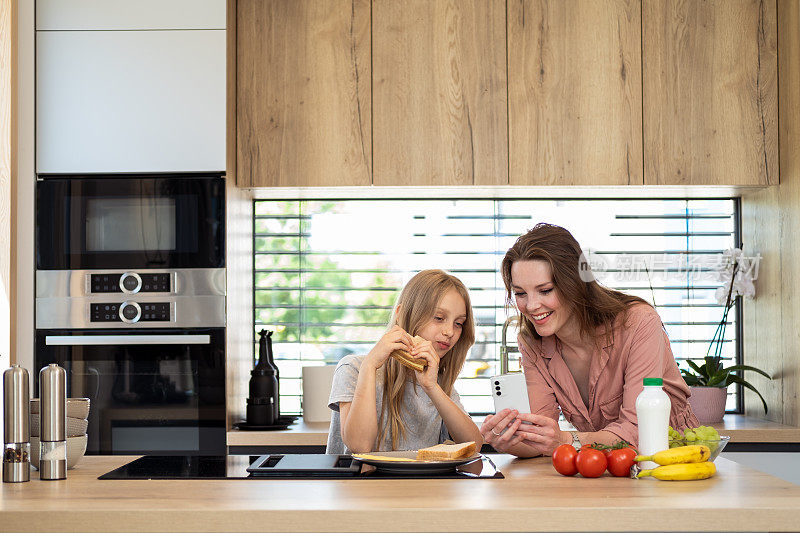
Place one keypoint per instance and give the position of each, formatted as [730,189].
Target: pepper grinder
[17,435]
[53,410]
[263,404]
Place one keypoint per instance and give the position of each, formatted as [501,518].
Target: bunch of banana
[680,464]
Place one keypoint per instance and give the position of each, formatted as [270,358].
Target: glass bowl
[716,446]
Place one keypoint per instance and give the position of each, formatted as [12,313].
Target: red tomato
[564,460]
[620,462]
[591,463]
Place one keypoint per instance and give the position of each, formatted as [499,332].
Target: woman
[379,404]
[585,351]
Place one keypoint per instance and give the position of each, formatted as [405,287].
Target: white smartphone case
[510,392]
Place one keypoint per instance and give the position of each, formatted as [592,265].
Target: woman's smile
[541,318]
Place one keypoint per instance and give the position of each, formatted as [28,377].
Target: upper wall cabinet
[303,93]
[710,92]
[150,100]
[439,92]
[574,85]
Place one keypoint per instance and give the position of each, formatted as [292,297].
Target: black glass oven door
[152,391]
[132,222]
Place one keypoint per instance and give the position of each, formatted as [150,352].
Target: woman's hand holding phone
[541,432]
[499,430]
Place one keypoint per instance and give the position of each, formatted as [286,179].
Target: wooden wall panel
[770,226]
[439,92]
[710,92]
[575,92]
[303,93]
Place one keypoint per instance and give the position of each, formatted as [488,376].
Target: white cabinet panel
[130,14]
[138,101]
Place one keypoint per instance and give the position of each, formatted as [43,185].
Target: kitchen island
[532,497]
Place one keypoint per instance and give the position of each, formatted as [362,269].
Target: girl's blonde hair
[417,305]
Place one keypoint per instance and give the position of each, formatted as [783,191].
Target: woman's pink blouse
[638,349]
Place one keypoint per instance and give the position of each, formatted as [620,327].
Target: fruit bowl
[716,446]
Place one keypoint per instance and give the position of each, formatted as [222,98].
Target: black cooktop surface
[183,467]
[235,467]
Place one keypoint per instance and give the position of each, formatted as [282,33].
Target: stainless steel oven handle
[94,340]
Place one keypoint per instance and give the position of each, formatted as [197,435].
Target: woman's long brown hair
[593,305]
[417,305]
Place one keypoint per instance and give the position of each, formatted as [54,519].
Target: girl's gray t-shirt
[424,426]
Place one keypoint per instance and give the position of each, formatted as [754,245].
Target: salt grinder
[17,435]
[53,410]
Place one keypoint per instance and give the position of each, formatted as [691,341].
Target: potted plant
[709,382]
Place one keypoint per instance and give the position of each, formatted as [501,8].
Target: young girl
[379,404]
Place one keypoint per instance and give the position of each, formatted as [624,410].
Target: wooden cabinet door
[439,92]
[710,92]
[303,93]
[574,86]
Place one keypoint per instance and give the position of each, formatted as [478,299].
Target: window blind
[327,272]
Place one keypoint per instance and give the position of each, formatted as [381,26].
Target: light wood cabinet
[710,92]
[495,92]
[439,92]
[303,93]
[574,85]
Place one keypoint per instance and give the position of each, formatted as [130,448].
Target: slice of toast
[444,452]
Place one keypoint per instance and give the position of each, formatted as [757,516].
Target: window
[327,272]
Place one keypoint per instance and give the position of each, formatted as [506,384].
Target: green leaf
[718,379]
[747,367]
[691,379]
[741,381]
[696,368]
[712,365]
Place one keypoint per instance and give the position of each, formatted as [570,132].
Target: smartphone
[510,392]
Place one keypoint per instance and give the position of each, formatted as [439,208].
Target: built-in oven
[155,391]
[130,300]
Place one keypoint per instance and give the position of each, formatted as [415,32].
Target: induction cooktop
[235,467]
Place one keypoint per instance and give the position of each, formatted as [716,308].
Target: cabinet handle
[94,340]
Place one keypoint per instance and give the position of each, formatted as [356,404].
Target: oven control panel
[130,312]
[131,283]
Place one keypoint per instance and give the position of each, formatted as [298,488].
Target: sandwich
[444,452]
[405,358]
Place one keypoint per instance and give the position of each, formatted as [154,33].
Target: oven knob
[130,312]
[130,282]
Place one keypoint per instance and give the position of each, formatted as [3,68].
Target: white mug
[316,392]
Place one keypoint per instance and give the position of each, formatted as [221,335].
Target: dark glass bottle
[263,404]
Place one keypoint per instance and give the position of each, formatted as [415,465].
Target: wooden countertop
[533,497]
[739,427]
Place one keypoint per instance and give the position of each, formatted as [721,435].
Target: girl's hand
[395,339]
[428,378]
[542,432]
